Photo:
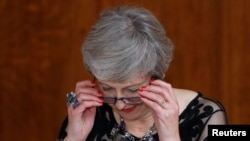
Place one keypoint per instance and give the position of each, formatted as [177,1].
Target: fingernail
[99,92]
[100,100]
[140,90]
[152,81]
[142,96]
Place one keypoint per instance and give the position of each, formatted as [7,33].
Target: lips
[128,110]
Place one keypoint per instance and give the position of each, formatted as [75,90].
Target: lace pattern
[193,122]
[119,132]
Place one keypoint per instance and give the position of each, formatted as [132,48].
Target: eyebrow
[132,85]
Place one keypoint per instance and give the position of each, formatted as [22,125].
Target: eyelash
[106,88]
[133,91]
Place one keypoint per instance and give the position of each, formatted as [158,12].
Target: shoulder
[184,97]
[196,112]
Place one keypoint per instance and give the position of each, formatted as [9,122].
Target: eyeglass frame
[120,98]
[123,99]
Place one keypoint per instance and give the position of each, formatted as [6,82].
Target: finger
[162,88]
[86,105]
[89,91]
[81,97]
[155,106]
[74,101]
[83,106]
[155,95]
[146,93]
[86,83]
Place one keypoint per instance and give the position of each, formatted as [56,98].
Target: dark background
[40,59]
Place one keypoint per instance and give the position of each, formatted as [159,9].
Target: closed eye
[133,90]
[106,88]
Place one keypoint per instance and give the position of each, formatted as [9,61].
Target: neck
[139,127]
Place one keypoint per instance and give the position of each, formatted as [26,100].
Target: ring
[163,101]
[71,100]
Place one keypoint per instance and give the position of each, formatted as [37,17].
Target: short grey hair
[124,42]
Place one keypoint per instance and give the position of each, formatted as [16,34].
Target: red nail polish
[99,92]
[142,96]
[152,81]
[100,100]
[140,90]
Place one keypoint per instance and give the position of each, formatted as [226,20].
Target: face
[126,101]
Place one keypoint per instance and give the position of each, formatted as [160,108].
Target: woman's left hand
[160,98]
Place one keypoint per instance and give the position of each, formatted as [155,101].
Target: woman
[128,53]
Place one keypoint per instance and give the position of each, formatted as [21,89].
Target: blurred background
[40,59]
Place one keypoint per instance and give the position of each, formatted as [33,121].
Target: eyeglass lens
[128,100]
[132,100]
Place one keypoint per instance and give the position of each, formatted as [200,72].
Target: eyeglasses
[131,100]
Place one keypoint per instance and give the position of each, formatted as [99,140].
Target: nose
[119,104]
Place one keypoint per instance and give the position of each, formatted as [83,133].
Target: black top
[193,121]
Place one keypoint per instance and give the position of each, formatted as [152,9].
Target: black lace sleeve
[198,115]
[216,115]
[62,133]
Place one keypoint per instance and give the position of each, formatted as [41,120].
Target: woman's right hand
[81,119]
